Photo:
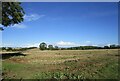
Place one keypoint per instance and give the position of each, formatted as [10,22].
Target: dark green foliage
[91,47]
[12,13]
[8,49]
[106,47]
[16,49]
[118,46]
[24,49]
[50,47]
[82,48]
[56,48]
[43,46]
[113,46]
[3,48]
[32,47]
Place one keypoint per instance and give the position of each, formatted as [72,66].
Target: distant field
[61,64]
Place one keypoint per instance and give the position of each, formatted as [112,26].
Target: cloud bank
[28,18]
[21,26]
[32,17]
[65,43]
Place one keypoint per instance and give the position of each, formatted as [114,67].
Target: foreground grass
[68,64]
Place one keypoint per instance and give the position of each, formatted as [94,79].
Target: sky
[64,24]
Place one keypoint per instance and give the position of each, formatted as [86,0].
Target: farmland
[61,64]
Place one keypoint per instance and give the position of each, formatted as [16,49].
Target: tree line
[92,47]
[43,46]
[15,49]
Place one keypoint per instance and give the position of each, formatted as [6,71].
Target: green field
[61,64]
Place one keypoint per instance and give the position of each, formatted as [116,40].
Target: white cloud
[88,41]
[32,17]
[33,45]
[19,45]
[72,44]
[6,45]
[63,43]
[94,45]
[108,44]
[19,26]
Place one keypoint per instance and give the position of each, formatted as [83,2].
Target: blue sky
[65,24]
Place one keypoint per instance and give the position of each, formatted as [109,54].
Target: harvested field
[61,64]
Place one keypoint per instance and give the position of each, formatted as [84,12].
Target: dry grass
[71,61]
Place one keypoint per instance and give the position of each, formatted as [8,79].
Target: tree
[56,47]
[113,46]
[12,13]
[3,48]
[8,49]
[106,47]
[43,46]
[50,47]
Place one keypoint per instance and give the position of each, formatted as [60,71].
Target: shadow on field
[9,55]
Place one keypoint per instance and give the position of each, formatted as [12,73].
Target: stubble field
[61,64]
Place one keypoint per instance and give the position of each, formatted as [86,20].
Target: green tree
[106,47]
[12,13]
[9,49]
[118,46]
[50,47]
[56,47]
[113,46]
[43,46]
[3,48]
